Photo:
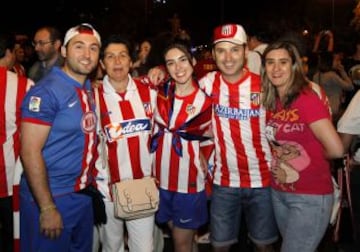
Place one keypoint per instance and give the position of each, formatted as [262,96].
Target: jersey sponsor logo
[34,104]
[116,131]
[88,122]
[236,113]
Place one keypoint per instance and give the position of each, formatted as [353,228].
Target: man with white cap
[58,136]
[242,153]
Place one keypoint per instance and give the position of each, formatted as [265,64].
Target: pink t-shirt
[296,150]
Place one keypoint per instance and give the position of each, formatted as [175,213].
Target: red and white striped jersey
[16,204]
[13,89]
[127,123]
[181,124]
[19,69]
[242,152]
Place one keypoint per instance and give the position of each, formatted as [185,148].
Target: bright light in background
[160,1]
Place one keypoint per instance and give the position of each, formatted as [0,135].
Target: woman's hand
[156,75]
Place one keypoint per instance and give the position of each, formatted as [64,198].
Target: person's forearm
[36,174]
[346,139]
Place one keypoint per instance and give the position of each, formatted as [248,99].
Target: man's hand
[51,224]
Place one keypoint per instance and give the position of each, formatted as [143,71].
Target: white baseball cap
[83,28]
[233,33]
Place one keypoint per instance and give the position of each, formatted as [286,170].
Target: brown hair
[298,79]
[182,46]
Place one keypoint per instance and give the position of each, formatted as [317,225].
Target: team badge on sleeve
[34,104]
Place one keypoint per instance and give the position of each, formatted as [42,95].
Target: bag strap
[101,135]
[345,198]
[348,195]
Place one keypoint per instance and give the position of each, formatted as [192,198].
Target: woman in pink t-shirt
[303,140]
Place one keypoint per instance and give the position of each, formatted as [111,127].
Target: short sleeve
[39,106]
[350,121]
[312,107]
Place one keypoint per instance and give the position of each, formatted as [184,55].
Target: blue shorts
[227,206]
[185,210]
[77,216]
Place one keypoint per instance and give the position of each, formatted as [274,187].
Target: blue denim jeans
[302,219]
[227,206]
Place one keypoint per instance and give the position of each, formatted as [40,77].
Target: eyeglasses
[41,43]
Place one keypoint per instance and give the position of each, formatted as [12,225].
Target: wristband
[47,208]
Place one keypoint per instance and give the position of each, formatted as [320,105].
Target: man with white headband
[58,135]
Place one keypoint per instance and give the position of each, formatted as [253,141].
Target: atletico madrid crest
[255,99]
[147,108]
[190,109]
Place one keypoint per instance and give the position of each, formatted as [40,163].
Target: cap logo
[83,28]
[232,33]
[228,30]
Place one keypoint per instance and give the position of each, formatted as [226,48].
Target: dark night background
[141,18]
